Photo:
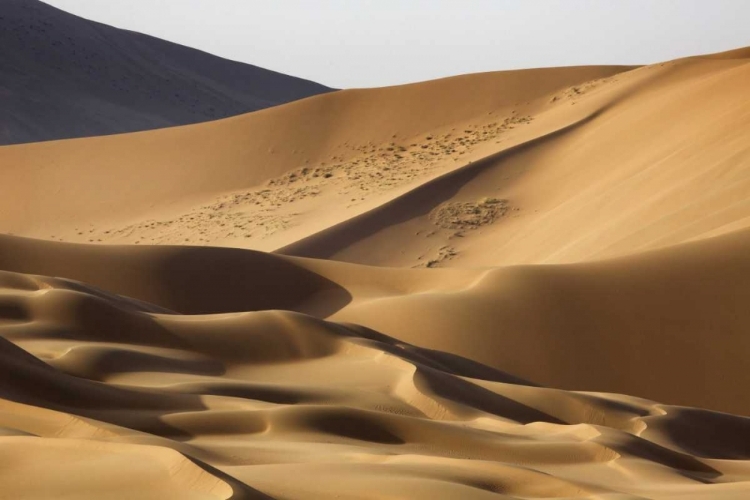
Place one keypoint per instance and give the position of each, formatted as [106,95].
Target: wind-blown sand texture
[63,76]
[528,284]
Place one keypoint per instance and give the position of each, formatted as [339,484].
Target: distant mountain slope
[62,76]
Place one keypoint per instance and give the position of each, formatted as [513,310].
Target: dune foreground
[527,284]
[236,374]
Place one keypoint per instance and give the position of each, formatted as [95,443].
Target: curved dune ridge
[527,284]
[278,391]
[158,404]
[576,164]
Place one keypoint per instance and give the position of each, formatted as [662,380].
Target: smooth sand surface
[528,284]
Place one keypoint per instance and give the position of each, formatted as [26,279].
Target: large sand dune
[63,76]
[543,166]
[316,151]
[654,157]
[157,404]
[527,284]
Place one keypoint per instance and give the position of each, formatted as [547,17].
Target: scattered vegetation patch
[444,253]
[469,215]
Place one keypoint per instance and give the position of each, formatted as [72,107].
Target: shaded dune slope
[189,280]
[278,403]
[666,325]
[64,76]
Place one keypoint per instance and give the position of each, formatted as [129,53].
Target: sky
[372,43]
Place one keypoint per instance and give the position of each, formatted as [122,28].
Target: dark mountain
[62,76]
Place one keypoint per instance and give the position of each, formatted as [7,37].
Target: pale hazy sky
[366,43]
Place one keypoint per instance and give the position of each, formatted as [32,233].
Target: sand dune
[64,77]
[292,406]
[535,287]
[606,169]
[543,166]
[635,325]
[318,152]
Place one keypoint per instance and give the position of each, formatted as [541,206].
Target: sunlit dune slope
[536,286]
[540,166]
[113,396]
[667,325]
[159,176]
[656,158]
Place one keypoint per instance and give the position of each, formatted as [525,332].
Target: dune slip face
[511,285]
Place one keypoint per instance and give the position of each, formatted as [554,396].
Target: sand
[527,284]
